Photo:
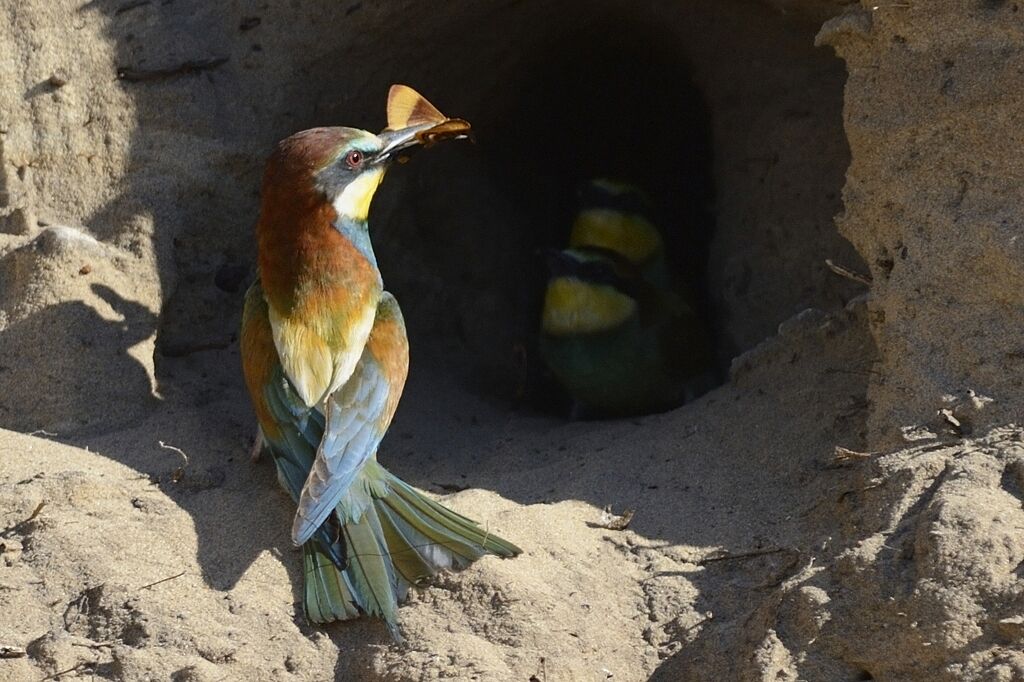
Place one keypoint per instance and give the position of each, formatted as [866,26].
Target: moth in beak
[412,121]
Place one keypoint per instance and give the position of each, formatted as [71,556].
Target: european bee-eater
[619,335]
[325,358]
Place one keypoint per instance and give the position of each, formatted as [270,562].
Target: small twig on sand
[35,512]
[16,528]
[62,673]
[127,73]
[848,273]
[163,580]
[7,651]
[742,555]
[95,645]
[844,456]
[178,473]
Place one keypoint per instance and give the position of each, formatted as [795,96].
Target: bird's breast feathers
[572,307]
[319,344]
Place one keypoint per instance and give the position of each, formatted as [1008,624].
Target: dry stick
[35,512]
[848,273]
[744,555]
[96,645]
[7,532]
[843,455]
[164,580]
[76,668]
[12,652]
[127,73]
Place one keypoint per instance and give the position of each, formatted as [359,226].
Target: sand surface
[121,512]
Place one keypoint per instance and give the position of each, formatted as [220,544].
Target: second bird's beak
[425,134]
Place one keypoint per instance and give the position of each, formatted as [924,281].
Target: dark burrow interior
[724,112]
[578,104]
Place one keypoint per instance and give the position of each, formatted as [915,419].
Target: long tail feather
[400,539]
[460,527]
[370,570]
[326,596]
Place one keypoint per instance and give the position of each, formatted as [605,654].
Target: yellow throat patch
[631,236]
[572,307]
[354,200]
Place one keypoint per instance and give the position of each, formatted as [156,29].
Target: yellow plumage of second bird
[575,307]
[629,235]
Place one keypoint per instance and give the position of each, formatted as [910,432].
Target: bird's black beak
[426,134]
[559,263]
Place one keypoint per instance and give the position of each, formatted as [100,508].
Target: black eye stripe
[603,273]
[592,271]
[597,272]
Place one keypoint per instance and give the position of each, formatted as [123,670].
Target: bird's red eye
[354,158]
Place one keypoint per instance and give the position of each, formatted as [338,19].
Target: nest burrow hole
[723,111]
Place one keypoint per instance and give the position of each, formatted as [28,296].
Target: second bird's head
[616,216]
[589,291]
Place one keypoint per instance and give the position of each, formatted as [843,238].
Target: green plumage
[654,360]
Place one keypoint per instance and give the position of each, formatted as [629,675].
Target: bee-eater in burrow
[325,358]
[616,331]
